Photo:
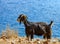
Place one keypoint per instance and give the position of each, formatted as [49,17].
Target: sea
[35,10]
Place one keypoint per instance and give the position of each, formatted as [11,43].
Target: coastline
[9,36]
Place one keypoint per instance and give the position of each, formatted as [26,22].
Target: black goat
[35,28]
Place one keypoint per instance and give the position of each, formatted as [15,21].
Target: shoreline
[23,40]
[9,36]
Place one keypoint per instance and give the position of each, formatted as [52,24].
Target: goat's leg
[27,35]
[31,36]
[48,36]
[45,36]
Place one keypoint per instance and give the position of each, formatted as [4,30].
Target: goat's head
[22,18]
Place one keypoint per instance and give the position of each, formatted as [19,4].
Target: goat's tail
[51,23]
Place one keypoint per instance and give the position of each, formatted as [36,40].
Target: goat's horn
[21,15]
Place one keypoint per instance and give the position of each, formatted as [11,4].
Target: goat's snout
[19,21]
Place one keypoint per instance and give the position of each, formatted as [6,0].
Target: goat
[35,28]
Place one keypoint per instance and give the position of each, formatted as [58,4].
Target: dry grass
[8,33]
[9,36]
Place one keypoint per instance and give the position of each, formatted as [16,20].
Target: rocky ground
[11,37]
[23,40]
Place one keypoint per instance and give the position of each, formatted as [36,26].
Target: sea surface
[35,10]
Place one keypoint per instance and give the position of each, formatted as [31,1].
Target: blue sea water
[35,10]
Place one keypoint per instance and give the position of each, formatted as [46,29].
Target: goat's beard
[19,22]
